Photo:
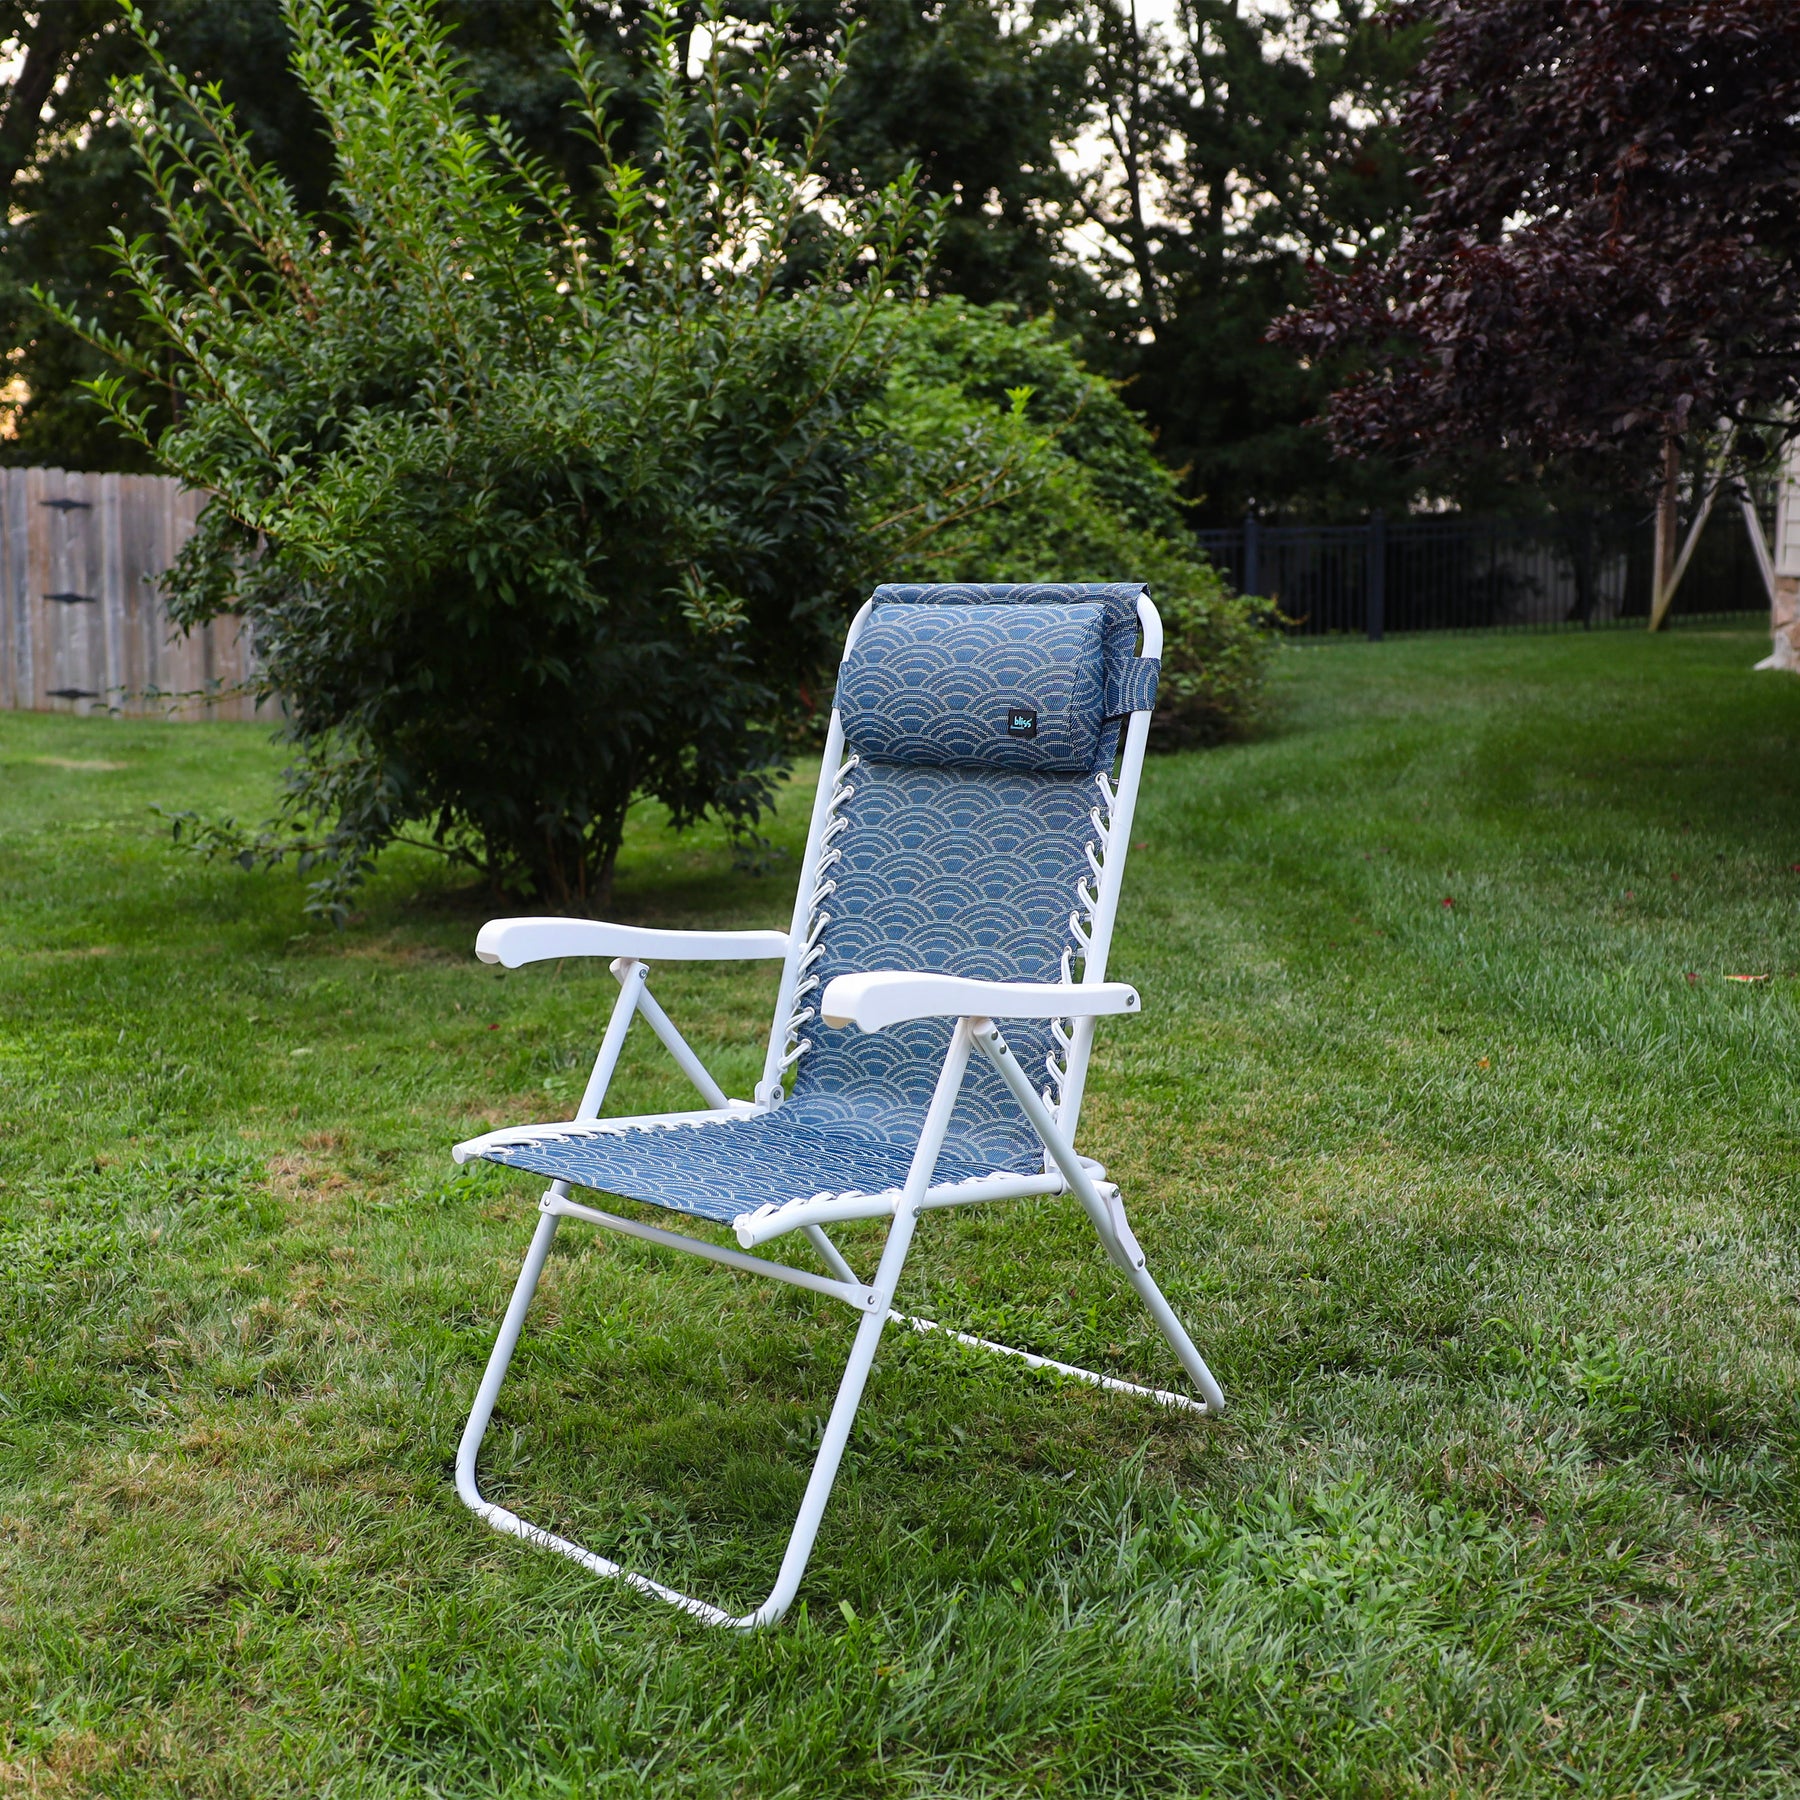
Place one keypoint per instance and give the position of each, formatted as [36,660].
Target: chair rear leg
[1172,1328]
[1103,1209]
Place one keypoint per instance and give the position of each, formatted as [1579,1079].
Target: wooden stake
[1667,525]
[1782,565]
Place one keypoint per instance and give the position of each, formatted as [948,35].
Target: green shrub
[540,499]
[537,499]
[1086,499]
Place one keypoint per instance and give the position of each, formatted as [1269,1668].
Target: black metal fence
[1450,572]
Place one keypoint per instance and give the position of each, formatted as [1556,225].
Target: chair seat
[721,1168]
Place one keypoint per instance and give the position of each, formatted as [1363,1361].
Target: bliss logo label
[1021,721]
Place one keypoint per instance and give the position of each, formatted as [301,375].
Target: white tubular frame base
[871,1001]
[873,1300]
[1112,1383]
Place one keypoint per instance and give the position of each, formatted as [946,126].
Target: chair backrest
[967,822]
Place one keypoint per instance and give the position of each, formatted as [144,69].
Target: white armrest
[888,996]
[515,941]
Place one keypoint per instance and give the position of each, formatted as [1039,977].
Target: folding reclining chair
[966,853]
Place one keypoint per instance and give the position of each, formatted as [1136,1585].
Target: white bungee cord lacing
[1098,851]
[795,1046]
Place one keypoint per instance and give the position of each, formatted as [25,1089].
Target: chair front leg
[499,1359]
[868,1331]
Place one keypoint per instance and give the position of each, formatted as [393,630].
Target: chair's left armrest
[511,942]
[888,996]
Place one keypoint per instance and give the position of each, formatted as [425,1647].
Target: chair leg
[1176,1333]
[499,1358]
[819,1482]
[824,1472]
[1108,1218]
[837,1426]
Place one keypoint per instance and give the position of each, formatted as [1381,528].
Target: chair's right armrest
[877,998]
[511,942]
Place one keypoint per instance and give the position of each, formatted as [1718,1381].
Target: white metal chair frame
[870,1001]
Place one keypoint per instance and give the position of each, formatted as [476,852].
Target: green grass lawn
[1472,1173]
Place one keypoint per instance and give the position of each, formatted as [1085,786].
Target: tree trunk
[600,882]
[1125,128]
[1668,531]
[1784,607]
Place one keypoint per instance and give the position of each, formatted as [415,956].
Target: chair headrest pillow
[1000,687]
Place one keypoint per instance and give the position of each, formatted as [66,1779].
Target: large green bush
[542,498]
[1085,499]
[537,499]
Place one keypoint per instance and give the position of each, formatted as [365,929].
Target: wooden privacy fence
[83,628]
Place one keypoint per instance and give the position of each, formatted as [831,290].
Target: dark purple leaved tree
[1604,259]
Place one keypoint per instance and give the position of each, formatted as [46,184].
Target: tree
[71,175]
[47,39]
[1603,257]
[1242,143]
[537,498]
[984,99]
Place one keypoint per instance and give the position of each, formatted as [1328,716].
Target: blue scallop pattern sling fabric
[721,1171]
[968,871]
[962,873]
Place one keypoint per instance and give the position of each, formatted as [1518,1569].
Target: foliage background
[1251,143]
[1091,501]
[1604,250]
[542,492]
